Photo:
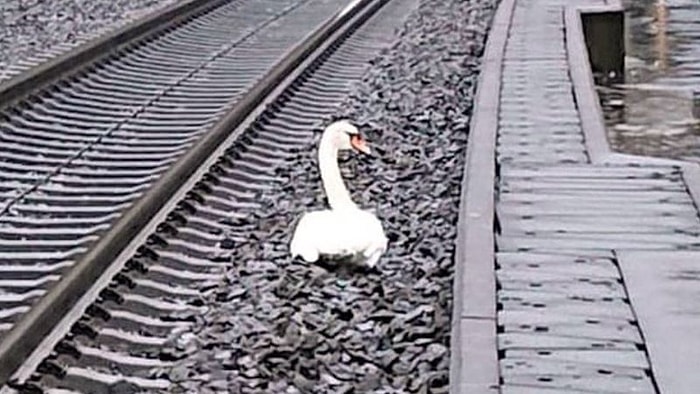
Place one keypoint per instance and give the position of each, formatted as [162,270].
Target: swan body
[353,233]
[345,231]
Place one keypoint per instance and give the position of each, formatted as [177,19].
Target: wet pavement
[654,112]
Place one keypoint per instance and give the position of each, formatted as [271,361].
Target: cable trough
[127,307]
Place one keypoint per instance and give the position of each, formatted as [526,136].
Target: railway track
[20,16]
[115,180]
[80,151]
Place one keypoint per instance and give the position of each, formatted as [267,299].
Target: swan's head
[345,136]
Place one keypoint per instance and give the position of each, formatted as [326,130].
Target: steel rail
[36,324]
[71,62]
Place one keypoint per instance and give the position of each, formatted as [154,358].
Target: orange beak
[359,144]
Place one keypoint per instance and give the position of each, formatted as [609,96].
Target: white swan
[344,231]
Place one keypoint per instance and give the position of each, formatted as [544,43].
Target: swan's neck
[337,193]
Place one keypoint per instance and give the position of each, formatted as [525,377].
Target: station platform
[577,266]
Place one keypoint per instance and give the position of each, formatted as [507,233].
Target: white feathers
[339,232]
[344,230]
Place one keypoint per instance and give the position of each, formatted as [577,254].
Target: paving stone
[589,243]
[571,285]
[582,224]
[538,389]
[587,171]
[537,340]
[554,370]
[600,306]
[569,325]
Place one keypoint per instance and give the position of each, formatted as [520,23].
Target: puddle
[656,111]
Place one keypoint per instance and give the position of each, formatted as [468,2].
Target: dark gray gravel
[283,326]
[33,30]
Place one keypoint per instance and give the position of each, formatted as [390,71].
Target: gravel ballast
[36,30]
[281,325]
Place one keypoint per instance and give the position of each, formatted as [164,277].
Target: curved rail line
[78,152]
[105,320]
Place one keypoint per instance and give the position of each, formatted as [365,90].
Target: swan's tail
[377,252]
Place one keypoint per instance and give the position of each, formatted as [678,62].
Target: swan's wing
[338,233]
[362,232]
[320,232]
[303,242]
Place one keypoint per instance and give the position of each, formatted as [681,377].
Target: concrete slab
[664,288]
